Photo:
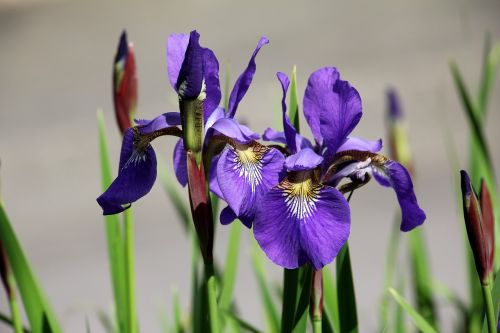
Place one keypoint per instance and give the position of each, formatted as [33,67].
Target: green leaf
[421,277]
[231,266]
[495,295]
[330,305]
[293,112]
[114,232]
[290,286]
[302,307]
[399,316]
[348,318]
[243,324]
[270,312]
[36,306]
[177,313]
[8,321]
[419,321]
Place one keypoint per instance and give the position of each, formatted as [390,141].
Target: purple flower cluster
[291,191]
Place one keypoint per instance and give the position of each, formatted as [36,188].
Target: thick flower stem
[129,272]
[490,312]
[212,297]
[316,305]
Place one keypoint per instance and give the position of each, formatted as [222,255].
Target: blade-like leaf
[290,286]
[270,312]
[8,321]
[38,311]
[114,232]
[243,324]
[348,317]
[231,266]
[419,321]
[294,105]
[330,306]
[302,307]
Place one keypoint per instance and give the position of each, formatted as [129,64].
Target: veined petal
[290,131]
[399,179]
[180,163]
[305,159]
[212,84]
[331,107]
[244,80]
[165,120]
[212,180]
[245,172]
[232,129]
[136,176]
[300,221]
[216,115]
[190,80]
[279,137]
[354,143]
[176,50]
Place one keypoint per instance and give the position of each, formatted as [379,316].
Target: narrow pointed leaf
[419,321]
[348,317]
[231,266]
[247,327]
[330,299]
[294,105]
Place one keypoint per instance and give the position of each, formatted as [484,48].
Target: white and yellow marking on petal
[301,194]
[248,162]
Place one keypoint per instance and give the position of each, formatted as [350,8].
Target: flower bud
[124,83]
[4,270]
[398,136]
[478,215]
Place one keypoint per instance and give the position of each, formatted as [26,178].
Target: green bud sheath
[192,124]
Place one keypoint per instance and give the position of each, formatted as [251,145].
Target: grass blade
[290,284]
[330,304]
[230,268]
[293,112]
[243,324]
[38,311]
[419,321]
[8,321]
[114,232]
[348,318]
[129,271]
[270,312]
[304,292]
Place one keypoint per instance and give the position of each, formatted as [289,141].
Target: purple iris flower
[194,74]
[305,218]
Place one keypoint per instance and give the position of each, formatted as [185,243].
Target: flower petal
[244,80]
[305,159]
[354,143]
[232,129]
[245,173]
[176,50]
[399,179]
[136,176]
[290,131]
[212,84]
[274,136]
[227,216]
[302,222]
[180,163]
[190,80]
[165,120]
[331,107]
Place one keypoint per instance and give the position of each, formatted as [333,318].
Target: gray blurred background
[55,71]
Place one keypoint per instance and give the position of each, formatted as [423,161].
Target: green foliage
[348,317]
[419,321]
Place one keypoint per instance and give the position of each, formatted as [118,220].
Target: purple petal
[245,173]
[136,176]
[399,178]
[190,79]
[216,115]
[212,85]
[290,131]
[354,143]
[227,216]
[274,136]
[296,226]
[394,106]
[165,120]
[306,159]
[212,180]
[232,129]
[332,107]
[244,80]
[180,163]
[176,49]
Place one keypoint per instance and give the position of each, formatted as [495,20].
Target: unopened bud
[124,84]
[478,215]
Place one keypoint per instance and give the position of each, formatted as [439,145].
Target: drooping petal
[354,143]
[232,129]
[274,136]
[302,222]
[399,179]
[244,80]
[180,163]
[332,108]
[176,49]
[165,120]
[212,85]
[245,173]
[227,216]
[190,80]
[305,159]
[136,176]
[290,131]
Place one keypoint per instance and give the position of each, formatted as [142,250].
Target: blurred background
[55,71]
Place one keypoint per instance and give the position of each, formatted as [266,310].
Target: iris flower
[304,218]
[194,74]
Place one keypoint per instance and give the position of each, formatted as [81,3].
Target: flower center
[248,162]
[301,193]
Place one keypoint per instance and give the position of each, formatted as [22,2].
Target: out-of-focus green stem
[317,325]
[490,313]
[16,314]
[129,271]
[212,297]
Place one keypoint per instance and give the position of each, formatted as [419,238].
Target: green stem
[16,315]
[129,270]
[212,297]
[490,313]
[317,325]
[290,282]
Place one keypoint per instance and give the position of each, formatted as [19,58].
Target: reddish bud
[4,270]
[124,83]
[478,215]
